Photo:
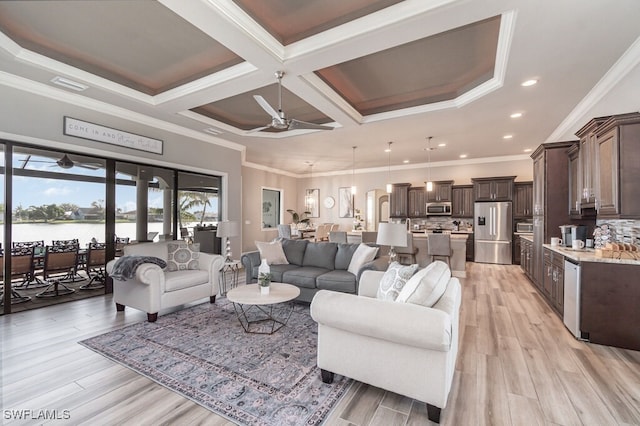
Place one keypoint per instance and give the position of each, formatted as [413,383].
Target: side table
[229,272]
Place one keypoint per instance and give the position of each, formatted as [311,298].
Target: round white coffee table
[262,313]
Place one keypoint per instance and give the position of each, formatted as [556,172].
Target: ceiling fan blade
[268,108]
[257,129]
[297,124]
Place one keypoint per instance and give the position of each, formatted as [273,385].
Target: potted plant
[264,280]
[296,218]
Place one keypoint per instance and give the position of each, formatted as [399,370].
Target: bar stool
[407,252]
[439,245]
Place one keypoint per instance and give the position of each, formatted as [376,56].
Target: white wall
[38,120]
[461,174]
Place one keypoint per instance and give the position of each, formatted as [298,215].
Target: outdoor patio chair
[21,267]
[120,243]
[38,261]
[94,266]
[59,260]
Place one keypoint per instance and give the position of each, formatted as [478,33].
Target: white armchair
[401,347]
[153,288]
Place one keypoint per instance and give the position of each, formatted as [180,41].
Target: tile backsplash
[626,230]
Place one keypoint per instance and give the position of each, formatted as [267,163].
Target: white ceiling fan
[279,120]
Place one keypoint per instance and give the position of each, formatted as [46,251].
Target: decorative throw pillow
[394,279]
[182,256]
[427,286]
[273,252]
[362,255]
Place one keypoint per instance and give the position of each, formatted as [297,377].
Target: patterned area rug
[203,354]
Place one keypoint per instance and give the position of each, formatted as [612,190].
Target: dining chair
[334,227]
[96,260]
[21,267]
[338,236]
[439,245]
[59,260]
[284,231]
[410,251]
[322,232]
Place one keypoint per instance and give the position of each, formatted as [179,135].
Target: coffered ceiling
[373,70]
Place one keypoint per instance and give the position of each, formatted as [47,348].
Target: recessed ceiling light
[463,155]
[507,137]
[69,84]
[387,150]
[528,83]
[516,115]
[527,150]
[405,161]
[442,144]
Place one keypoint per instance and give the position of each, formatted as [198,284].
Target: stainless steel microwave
[439,209]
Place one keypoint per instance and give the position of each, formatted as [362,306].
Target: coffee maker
[570,233]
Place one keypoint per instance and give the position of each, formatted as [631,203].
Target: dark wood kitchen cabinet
[610,296]
[493,189]
[526,257]
[417,202]
[575,183]
[462,201]
[399,200]
[587,163]
[550,198]
[618,167]
[553,280]
[523,200]
[441,192]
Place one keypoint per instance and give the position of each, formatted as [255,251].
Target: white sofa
[401,347]
[153,288]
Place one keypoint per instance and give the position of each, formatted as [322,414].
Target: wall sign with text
[95,132]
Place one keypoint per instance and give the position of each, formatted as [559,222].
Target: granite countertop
[528,237]
[588,255]
[462,236]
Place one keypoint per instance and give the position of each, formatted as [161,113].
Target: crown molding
[40,89]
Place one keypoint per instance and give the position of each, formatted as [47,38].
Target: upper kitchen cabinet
[441,192]
[398,200]
[618,167]
[575,183]
[493,189]
[462,201]
[523,200]
[417,201]
[587,168]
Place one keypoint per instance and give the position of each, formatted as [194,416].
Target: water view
[82,231]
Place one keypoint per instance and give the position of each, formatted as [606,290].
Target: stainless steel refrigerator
[493,232]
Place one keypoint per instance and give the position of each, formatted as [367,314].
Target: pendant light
[429,183]
[353,173]
[389,185]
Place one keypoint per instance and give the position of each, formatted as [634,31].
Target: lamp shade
[229,228]
[392,234]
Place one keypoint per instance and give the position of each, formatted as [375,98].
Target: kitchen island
[421,241]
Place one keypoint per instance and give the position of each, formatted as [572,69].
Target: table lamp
[392,235]
[226,230]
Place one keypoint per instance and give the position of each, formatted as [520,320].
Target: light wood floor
[517,365]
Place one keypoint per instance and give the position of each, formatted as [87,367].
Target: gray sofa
[313,266]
